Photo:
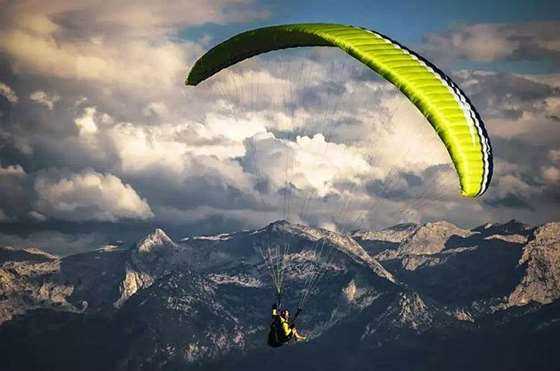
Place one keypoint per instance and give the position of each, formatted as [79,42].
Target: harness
[277,336]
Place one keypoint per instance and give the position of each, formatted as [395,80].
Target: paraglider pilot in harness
[281,329]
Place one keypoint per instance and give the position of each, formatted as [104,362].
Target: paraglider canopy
[439,99]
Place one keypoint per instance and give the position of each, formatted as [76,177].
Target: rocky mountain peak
[284,226]
[413,312]
[430,238]
[156,240]
[8,253]
[279,223]
[548,233]
[394,234]
[511,227]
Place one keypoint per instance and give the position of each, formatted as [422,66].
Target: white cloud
[89,196]
[171,147]
[305,163]
[8,93]
[142,149]
[86,122]
[135,64]
[252,88]
[36,216]
[217,150]
[45,99]
[488,42]
[551,174]
[554,155]
[156,108]
[480,42]
[123,44]
[12,170]
[551,171]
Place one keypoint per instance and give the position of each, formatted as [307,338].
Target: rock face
[25,286]
[95,281]
[541,257]
[154,256]
[420,297]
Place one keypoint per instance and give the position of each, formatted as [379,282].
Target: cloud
[88,196]
[554,155]
[139,18]
[86,122]
[304,163]
[551,171]
[45,99]
[515,106]
[489,42]
[8,93]
[551,174]
[312,126]
[98,60]
[511,187]
[14,190]
[131,44]
[12,170]
[3,217]
[36,216]
[141,149]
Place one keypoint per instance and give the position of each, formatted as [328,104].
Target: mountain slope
[422,297]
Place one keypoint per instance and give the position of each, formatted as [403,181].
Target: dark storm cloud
[15,189]
[435,182]
[511,201]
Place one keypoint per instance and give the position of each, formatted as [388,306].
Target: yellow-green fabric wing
[440,100]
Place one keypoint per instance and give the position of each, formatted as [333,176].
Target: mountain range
[409,297]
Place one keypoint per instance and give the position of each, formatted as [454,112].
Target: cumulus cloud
[8,93]
[97,60]
[304,163]
[554,155]
[36,216]
[44,98]
[86,123]
[123,44]
[551,171]
[515,106]
[12,170]
[551,174]
[315,127]
[15,195]
[494,42]
[88,196]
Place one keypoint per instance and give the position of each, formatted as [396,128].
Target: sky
[101,141]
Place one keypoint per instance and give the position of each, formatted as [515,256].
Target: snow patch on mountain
[133,282]
[238,280]
[157,240]
[513,238]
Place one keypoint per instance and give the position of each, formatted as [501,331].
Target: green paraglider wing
[440,100]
